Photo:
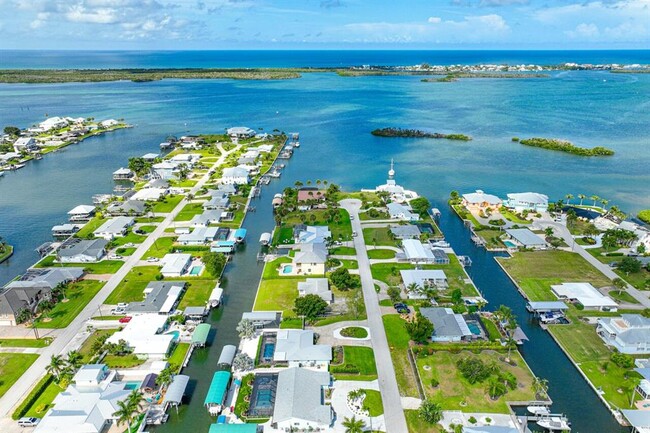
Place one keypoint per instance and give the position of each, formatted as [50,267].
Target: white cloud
[434,20]
[79,14]
[584,31]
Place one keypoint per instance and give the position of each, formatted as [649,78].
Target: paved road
[393,412]
[561,230]
[74,335]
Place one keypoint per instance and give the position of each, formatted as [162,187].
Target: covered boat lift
[218,392]
[200,335]
[176,390]
[227,356]
[215,297]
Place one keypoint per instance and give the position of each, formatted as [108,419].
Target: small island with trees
[6,250]
[565,146]
[417,133]
[455,76]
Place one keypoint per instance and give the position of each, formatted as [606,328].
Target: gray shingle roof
[299,395]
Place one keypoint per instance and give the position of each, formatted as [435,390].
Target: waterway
[334,116]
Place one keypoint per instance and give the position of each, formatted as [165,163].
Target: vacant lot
[12,366]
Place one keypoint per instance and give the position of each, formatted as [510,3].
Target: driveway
[393,413]
[340,405]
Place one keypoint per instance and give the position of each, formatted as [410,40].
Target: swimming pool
[287,269]
[132,385]
[269,350]
[196,270]
[262,397]
[474,328]
[509,244]
[176,334]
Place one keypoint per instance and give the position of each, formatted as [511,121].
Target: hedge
[32,397]
[345,369]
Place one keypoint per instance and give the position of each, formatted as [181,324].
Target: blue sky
[324,24]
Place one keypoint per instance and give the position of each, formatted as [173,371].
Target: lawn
[622,297]
[360,358]
[491,237]
[511,216]
[373,403]
[102,267]
[291,323]
[283,236]
[167,204]
[189,211]
[64,312]
[465,214]
[354,332]
[197,293]
[178,355]
[90,227]
[379,236]
[277,295]
[12,366]
[398,341]
[454,392]
[147,228]
[86,348]
[122,361]
[381,215]
[25,342]
[271,270]
[581,341]
[160,247]
[417,425]
[125,251]
[344,251]
[131,287]
[130,238]
[381,254]
[44,401]
[349,264]
[149,220]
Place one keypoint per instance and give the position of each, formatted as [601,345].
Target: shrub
[644,216]
[474,369]
[435,382]
[622,360]
[471,420]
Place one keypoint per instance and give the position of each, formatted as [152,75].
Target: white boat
[296,144]
[538,410]
[16,166]
[2,173]
[554,423]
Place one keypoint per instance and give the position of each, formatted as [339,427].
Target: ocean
[334,116]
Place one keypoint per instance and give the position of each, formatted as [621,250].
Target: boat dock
[549,422]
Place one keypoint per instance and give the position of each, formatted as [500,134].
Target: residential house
[300,400]
[25,144]
[164,170]
[114,228]
[206,218]
[240,132]
[480,201]
[128,207]
[160,297]
[82,213]
[316,286]
[628,334]
[401,212]
[263,319]
[88,404]
[144,334]
[586,295]
[407,231]
[81,250]
[418,252]
[65,230]
[52,123]
[217,202]
[296,347]
[448,326]
[311,234]
[150,194]
[310,259]
[235,176]
[310,193]
[150,157]
[175,265]
[527,201]
[525,238]
[108,123]
[423,279]
[199,236]
[123,174]
[157,183]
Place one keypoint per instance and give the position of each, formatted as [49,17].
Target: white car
[28,422]
[114,257]
[118,311]
[354,234]
[153,259]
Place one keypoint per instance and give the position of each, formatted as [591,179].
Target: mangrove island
[566,146]
[417,133]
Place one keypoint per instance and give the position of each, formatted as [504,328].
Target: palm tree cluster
[60,367]
[129,408]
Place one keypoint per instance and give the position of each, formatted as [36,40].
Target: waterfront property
[417,252]
[316,286]
[263,319]
[218,391]
[586,295]
[402,212]
[235,176]
[144,335]
[524,238]
[527,201]
[310,259]
[198,236]
[406,231]
[299,400]
[240,132]
[397,193]
[296,347]
[311,234]
[128,207]
[160,297]
[448,326]
[480,201]
[628,334]
[423,279]
[82,213]
[114,228]
[76,250]
[89,403]
[176,264]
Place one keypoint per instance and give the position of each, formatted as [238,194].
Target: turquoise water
[509,244]
[176,334]
[287,269]
[196,270]
[131,385]
[334,116]
[269,350]
[474,328]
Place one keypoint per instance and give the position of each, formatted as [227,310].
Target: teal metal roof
[218,388]
[233,428]
[200,334]
[240,233]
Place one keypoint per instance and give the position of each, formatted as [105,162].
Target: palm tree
[135,400]
[620,284]
[165,377]
[413,288]
[353,425]
[581,197]
[568,198]
[540,386]
[124,413]
[73,359]
[595,198]
[56,366]
[548,231]
[604,202]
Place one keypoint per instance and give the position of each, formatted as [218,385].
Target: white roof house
[87,405]
[25,144]
[296,346]
[313,234]
[401,212]
[199,236]
[143,335]
[585,294]
[299,400]
[526,238]
[416,252]
[206,218]
[114,227]
[82,250]
[164,170]
[108,123]
[629,333]
[52,123]
[241,132]
[175,265]
[424,278]
[481,199]
[531,201]
[316,286]
[315,253]
[149,194]
[235,175]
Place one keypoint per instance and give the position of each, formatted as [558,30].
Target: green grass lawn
[78,294]
[291,323]
[44,401]
[381,215]
[511,216]
[453,388]
[283,235]
[417,425]
[168,204]
[271,270]
[492,330]
[149,220]
[465,214]
[373,403]
[130,238]
[381,254]
[491,237]
[12,366]
[160,247]
[90,227]
[189,211]
[349,264]
[622,297]
[131,287]
[122,361]
[125,251]
[277,295]
[343,251]
[363,358]
[102,267]
[197,293]
[398,341]
[354,332]
[86,348]
[379,236]
[178,355]
[25,342]
[147,228]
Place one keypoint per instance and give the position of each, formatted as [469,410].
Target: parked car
[153,259]
[401,308]
[125,319]
[28,422]
[354,234]
[352,217]
[114,257]
[118,311]
[122,305]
